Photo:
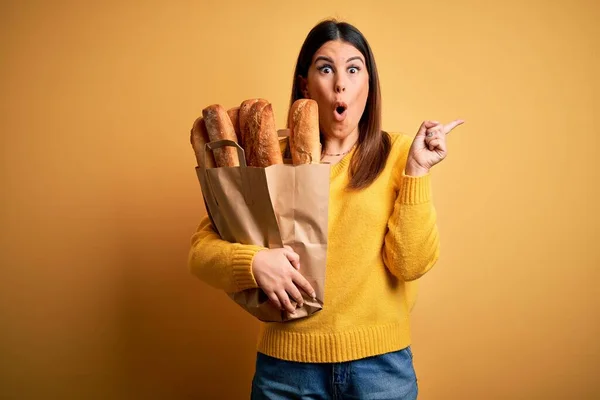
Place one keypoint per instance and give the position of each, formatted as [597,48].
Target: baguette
[243,116]
[234,117]
[261,140]
[219,126]
[303,121]
[198,138]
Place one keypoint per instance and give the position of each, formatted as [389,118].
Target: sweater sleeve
[411,244]
[219,263]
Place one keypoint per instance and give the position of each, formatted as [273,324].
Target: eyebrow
[331,61]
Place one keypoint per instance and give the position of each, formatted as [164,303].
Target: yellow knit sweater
[380,239]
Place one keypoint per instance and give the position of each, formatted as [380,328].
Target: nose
[339,87]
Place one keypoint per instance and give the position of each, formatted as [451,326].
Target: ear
[303,84]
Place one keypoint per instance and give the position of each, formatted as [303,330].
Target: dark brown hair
[373,145]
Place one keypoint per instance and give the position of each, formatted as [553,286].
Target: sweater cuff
[242,266]
[415,189]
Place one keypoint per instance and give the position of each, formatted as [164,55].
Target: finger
[292,257]
[426,125]
[274,299]
[433,133]
[303,284]
[448,127]
[295,294]
[436,144]
[284,299]
[441,148]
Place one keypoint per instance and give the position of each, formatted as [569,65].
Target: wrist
[415,170]
[257,259]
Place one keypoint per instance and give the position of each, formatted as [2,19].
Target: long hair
[373,145]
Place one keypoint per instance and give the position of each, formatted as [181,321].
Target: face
[338,81]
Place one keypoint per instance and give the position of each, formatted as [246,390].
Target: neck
[337,145]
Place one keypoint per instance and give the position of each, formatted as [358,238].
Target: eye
[325,68]
[353,70]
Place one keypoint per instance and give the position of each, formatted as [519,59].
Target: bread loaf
[234,117]
[198,138]
[243,115]
[260,137]
[219,126]
[303,121]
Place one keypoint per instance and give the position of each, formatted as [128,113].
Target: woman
[382,236]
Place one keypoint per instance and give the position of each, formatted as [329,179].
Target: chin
[339,130]
[344,130]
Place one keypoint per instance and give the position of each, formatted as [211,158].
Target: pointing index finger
[448,127]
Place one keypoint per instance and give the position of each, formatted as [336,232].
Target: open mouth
[340,111]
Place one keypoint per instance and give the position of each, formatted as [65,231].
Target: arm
[411,246]
[234,267]
[219,263]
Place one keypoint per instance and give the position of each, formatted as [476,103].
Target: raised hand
[428,147]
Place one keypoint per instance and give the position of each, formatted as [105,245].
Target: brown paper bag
[279,205]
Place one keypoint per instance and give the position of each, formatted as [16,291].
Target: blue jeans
[387,376]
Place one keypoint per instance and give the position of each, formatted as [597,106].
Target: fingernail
[314,295]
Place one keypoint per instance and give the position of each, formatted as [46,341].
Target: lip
[337,116]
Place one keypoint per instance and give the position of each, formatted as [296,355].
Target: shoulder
[401,143]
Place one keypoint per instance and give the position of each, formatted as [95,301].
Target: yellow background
[99,196]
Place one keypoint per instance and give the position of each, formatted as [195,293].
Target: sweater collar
[343,164]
